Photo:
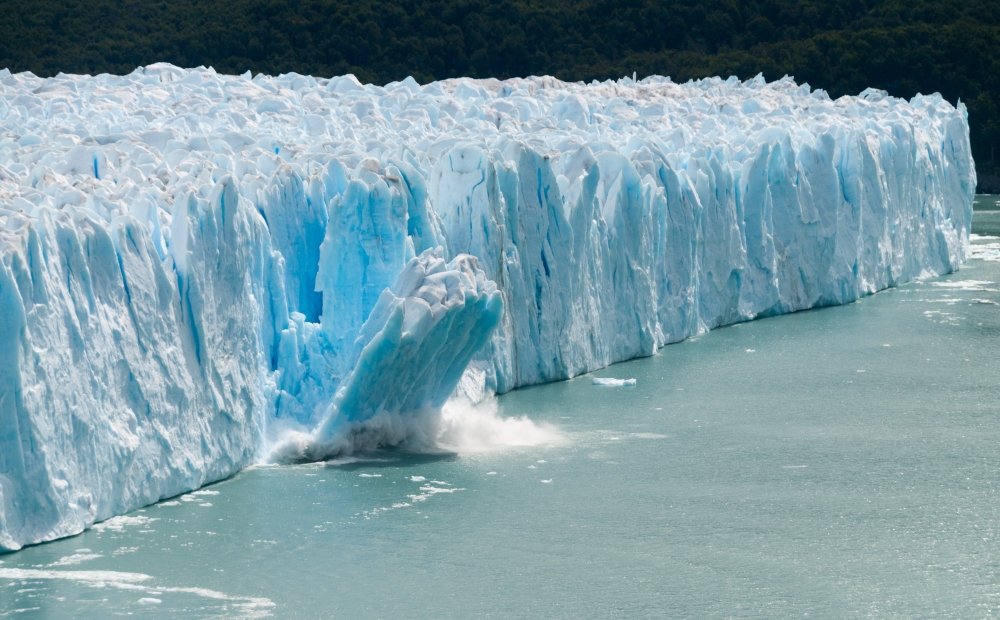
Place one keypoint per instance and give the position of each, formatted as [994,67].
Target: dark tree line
[842,46]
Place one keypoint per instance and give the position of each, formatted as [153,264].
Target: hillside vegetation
[842,46]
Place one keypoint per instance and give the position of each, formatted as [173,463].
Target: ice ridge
[200,270]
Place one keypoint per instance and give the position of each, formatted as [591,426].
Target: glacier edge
[191,261]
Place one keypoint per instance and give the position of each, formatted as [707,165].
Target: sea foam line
[249,606]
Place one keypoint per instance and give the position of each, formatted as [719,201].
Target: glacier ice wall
[409,356]
[198,268]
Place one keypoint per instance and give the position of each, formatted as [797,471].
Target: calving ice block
[202,270]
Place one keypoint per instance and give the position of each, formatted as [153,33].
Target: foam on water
[118,524]
[984,247]
[79,557]
[967,285]
[247,607]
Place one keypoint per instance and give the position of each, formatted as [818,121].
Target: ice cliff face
[199,269]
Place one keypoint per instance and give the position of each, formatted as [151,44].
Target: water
[987,215]
[839,462]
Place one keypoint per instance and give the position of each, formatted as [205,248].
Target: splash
[459,427]
[465,428]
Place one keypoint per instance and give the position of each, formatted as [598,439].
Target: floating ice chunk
[428,491]
[118,524]
[611,381]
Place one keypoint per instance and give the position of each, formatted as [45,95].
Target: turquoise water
[987,215]
[834,463]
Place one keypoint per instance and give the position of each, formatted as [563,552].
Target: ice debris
[613,382]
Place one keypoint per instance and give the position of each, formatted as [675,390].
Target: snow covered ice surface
[199,269]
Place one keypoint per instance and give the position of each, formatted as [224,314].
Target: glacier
[201,271]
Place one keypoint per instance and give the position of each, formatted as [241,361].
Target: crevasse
[201,270]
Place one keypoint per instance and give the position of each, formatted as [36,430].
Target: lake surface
[987,215]
[832,463]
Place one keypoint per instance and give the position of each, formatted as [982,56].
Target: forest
[842,46]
